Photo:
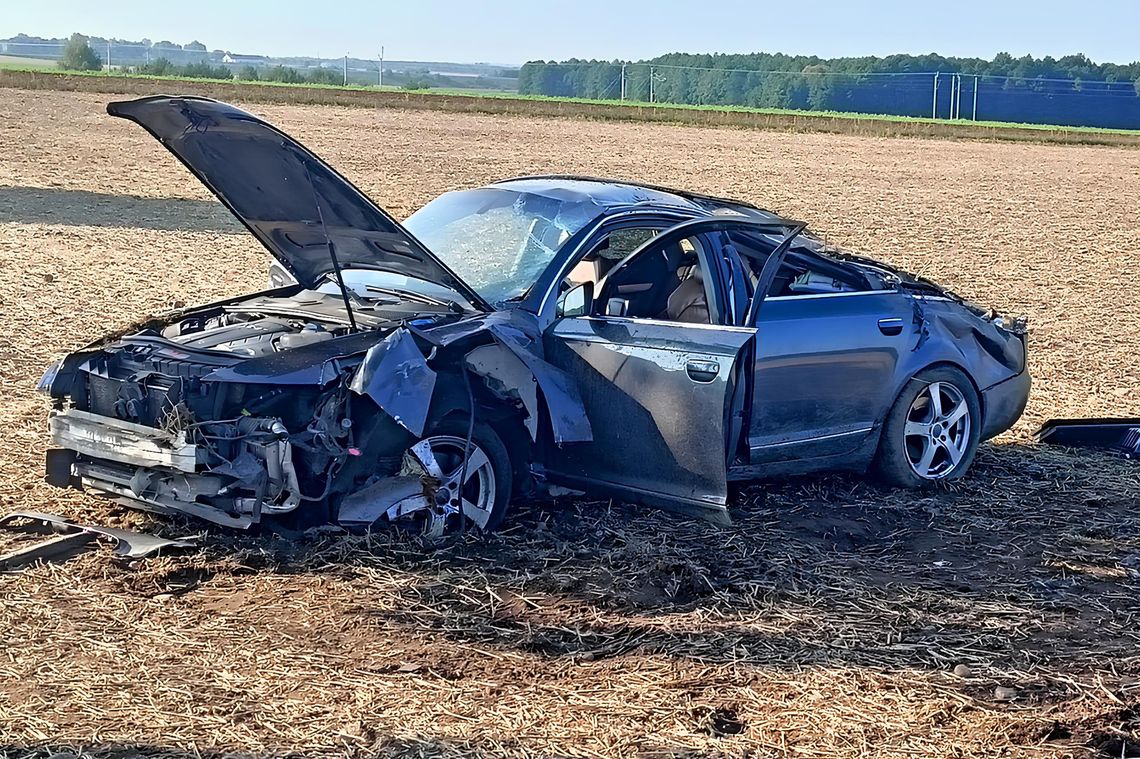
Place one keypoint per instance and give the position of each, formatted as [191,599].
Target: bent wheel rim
[439,459]
[937,431]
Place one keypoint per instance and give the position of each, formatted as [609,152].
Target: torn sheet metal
[1120,436]
[396,376]
[568,421]
[507,377]
[518,332]
[129,545]
[392,497]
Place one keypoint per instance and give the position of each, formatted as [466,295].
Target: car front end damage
[229,429]
[228,473]
[235,412]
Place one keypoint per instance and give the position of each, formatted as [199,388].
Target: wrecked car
[537,334]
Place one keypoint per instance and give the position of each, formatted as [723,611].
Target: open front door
[658,398]
[662,382]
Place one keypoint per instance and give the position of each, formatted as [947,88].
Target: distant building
[245,60]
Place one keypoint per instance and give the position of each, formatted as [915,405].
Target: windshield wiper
[415,297]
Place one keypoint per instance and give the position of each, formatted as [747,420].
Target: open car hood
[281,192]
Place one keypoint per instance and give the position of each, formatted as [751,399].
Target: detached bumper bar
[111,439]
[1119,435]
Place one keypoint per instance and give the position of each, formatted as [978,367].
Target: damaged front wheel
[475,486]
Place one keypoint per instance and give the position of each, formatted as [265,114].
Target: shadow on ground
[1032,560]
[37,205]
[1027,575]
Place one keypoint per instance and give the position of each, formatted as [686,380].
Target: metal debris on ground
[1120,436]
[73,538]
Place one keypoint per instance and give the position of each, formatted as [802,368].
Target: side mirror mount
[617,307]
[578,300]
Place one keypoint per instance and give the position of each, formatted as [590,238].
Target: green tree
[204,71]
[158,67]
[78,55]
[247,74]
[818,86]
[418,82]
[282,74]
[325,76]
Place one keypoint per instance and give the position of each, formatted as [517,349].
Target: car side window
[795,278]
[606,253]
[592,268]
[663,282]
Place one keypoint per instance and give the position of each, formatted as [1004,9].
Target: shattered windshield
[499,240]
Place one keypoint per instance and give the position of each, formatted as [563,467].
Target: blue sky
[513,31]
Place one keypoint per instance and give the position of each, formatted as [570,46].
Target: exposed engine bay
[271,324]
[194,414]
[246,336]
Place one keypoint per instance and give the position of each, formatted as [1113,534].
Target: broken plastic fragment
[130,545]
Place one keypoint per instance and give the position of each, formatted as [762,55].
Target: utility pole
[380,73]
[953,90]
[975,114]
[623,81]
[108,55]
[346,69]
[934,112]
[653,79]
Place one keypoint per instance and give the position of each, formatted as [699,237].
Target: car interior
[668,284]
[800,273]
[664,284]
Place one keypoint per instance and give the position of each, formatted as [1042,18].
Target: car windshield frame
[501,240]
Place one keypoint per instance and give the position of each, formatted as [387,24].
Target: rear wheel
[931,433]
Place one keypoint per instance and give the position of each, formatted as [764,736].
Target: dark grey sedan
[534,335]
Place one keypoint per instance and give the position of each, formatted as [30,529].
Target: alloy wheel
[439,459]
[937,431]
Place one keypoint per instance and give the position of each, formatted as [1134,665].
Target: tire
[920,447]
[452,431]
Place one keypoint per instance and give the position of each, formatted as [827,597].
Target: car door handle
[891,327]
[702,371]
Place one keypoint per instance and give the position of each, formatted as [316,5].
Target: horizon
[155,39]
[505,33]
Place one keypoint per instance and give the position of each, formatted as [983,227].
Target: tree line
[79,55]
[1069,90]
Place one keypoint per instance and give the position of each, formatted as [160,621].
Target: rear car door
[664,398]
[828,350]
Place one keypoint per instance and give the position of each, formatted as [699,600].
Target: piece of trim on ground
[1120,436]
[128,544]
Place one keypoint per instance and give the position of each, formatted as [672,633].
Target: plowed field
[827,622]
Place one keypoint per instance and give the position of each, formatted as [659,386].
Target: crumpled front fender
[395,374]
